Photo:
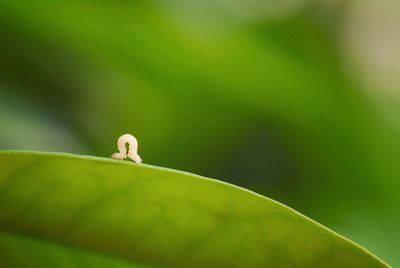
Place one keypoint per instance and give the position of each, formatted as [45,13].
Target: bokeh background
[298,100]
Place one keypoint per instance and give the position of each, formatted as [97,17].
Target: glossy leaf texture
[67,210]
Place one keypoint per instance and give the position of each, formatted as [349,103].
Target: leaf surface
[85,211]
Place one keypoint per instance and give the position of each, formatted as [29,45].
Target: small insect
[132,148]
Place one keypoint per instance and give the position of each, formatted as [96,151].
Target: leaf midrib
[66,245]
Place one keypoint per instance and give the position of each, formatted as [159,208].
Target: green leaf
[61,210]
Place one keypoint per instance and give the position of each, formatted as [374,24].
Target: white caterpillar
[132,148]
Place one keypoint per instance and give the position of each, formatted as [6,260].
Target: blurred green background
[298,100]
